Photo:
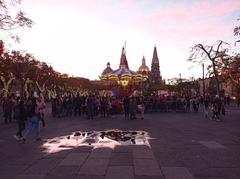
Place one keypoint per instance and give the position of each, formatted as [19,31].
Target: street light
[203,81]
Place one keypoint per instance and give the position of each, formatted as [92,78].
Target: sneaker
[16,137]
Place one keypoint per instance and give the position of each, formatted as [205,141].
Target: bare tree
[236,31]
[200,53]
[11,17]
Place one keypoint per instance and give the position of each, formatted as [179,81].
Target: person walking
[21,116]
[33,125]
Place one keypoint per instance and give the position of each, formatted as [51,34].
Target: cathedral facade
[153,79]
[154,75]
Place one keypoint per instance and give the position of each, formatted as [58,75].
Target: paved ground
[182,146]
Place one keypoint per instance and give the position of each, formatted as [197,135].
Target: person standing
[126,105]
[109,107]
[133,108]
[141,107]
[90,106]
[54,107]
[77,105]
[206,102]
[69,106]
[103,106]
[7,109]
[41,108]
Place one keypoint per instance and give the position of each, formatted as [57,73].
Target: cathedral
[154,75]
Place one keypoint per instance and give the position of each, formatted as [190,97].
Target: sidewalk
[182,146]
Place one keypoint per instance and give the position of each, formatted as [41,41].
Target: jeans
[33,126]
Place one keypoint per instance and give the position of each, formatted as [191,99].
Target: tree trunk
[216,77]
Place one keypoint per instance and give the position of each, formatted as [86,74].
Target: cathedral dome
[143,68]
[107,70]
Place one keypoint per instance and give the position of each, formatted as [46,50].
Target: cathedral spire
[155,56]
[123,60]
[143,61]
[155,71]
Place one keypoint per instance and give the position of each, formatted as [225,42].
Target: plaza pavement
[182,146]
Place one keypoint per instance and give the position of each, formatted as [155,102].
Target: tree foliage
[230,70]
[183,87]
[24,66]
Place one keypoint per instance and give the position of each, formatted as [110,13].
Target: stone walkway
[182,146]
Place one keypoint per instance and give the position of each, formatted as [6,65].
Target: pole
[203,81]
[180,83]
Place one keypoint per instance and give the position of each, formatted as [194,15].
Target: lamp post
[180,83]
[203,78]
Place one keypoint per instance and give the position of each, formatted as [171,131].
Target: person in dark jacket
[21,118]
[133,108]
[54,107]
[103,106]
[126,105]
[77,103]
[90,106]
[8,109]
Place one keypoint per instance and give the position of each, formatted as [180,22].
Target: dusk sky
[79,37]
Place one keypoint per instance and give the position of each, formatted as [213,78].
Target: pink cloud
[199,19]
[206,32]
[220,8]
[186,12]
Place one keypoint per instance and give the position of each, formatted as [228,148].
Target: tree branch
[218,49]
[204,49]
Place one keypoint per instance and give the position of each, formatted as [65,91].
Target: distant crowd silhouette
[30,112]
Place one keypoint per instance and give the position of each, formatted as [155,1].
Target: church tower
[123,60]
[155,76]
[143,69]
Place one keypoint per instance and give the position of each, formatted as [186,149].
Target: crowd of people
[29,113]
[98,106]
